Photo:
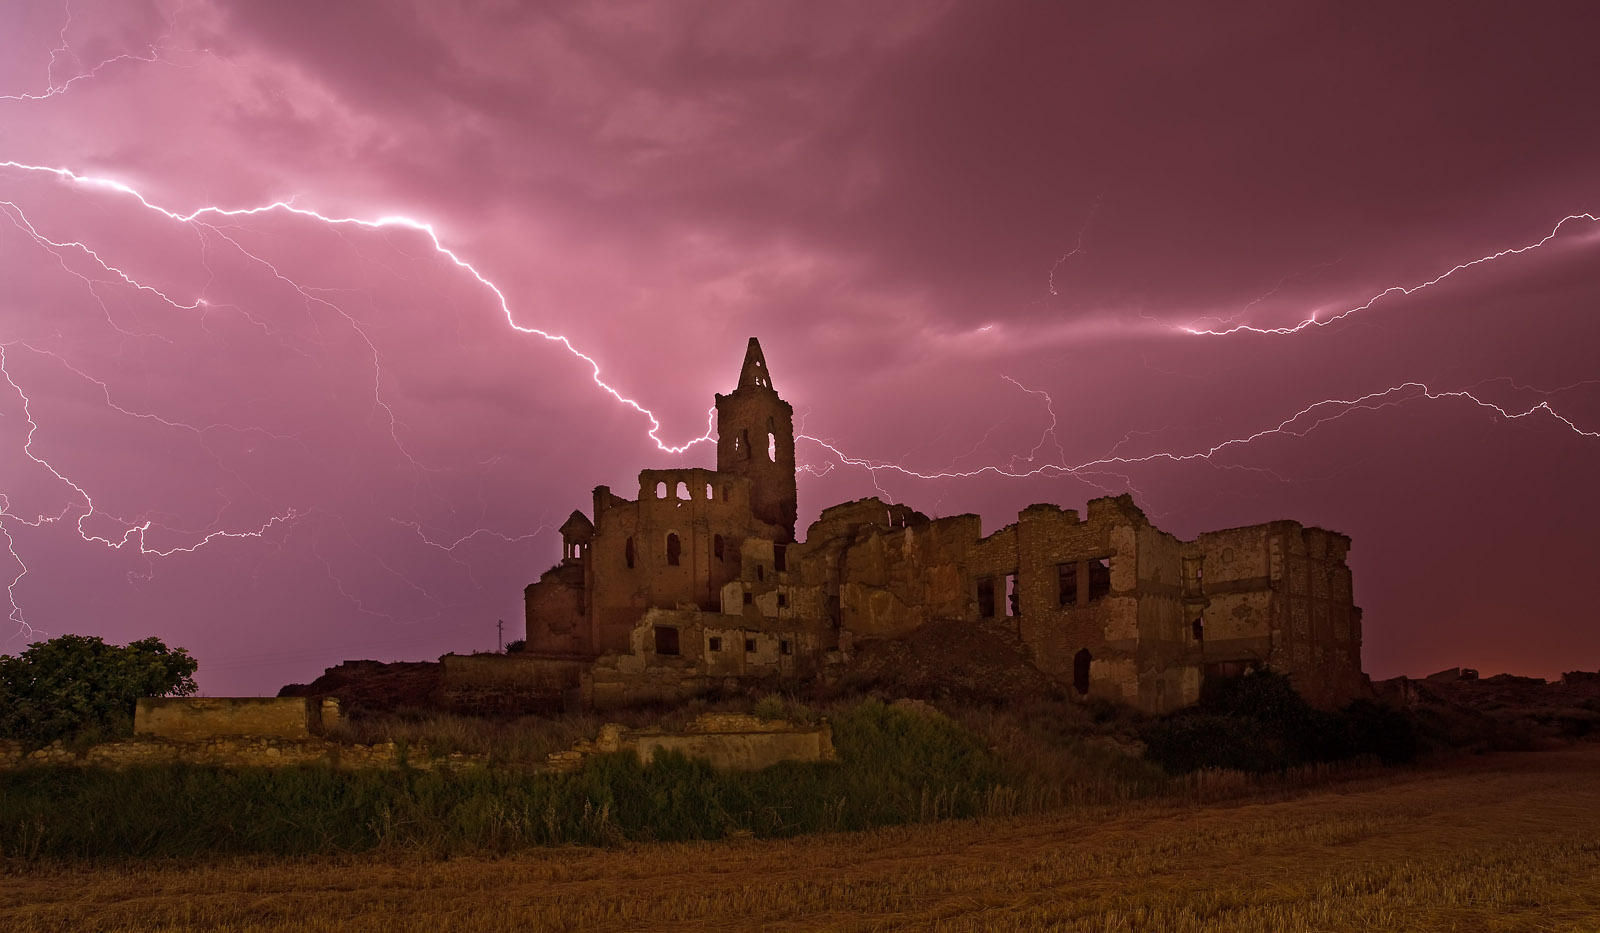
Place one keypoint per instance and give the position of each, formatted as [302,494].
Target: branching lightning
[154,54]
[1299,424]
[1401,290]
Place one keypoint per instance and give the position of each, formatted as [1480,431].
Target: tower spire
[755,440]
[754,372]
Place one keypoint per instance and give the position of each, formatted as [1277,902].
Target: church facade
[700,580]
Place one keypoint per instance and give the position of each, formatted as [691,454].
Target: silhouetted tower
[755,439]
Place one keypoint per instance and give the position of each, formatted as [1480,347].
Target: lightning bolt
[1299,424]
[154,53]
[1400,290]
[380,223]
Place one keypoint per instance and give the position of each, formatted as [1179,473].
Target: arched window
[674,548]
[708,491]
[661,490]
[743,444]
[772,447]
[683,490]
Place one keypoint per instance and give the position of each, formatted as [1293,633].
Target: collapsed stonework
[700,581]
[729,741]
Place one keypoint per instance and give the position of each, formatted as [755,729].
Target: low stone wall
[730,741]
[237,751]
[193,718]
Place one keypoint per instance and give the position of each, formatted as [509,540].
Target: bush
[1382,731]
[1259,723]
[80,686]
[1195,741]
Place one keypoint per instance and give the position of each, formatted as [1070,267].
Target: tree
[79,685]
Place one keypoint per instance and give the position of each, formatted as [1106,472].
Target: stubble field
[1504,842]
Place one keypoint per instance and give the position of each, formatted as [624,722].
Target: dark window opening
[627,553]
[761,572]
[1067,583]
[1199,630]
[783,600]
[1013,604]
[674,548]
[1080,671]
[750,646]
[749,598]
[784,647]
[986,597]
[1193,576]
[743,444]
[714,643]
[780,557]
[1099,578]
[666,640]
[716,546]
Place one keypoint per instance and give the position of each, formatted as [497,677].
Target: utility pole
[500,633]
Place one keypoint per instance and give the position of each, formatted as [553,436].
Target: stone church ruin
[701,581]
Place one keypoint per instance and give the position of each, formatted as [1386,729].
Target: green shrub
[77,684]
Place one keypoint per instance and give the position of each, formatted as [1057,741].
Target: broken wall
[192,718]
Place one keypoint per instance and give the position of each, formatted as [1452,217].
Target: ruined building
[701,580]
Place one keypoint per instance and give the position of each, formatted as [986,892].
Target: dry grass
[1510,842]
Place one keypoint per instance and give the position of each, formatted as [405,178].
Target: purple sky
[973,239]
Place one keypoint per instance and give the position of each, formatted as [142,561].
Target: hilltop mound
[375,687]
[1499,712]
[950,660]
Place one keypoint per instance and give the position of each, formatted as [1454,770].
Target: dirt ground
[1502,842]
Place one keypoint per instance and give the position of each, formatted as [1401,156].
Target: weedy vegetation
[1500,843]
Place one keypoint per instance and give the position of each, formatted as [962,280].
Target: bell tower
[755,439]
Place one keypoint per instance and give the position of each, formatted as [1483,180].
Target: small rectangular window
[784,647]
[780,557]
[666,640]
[783,600]
[1067,584]
[750,646]
[714,643]
[1099,578]
[986,597]
[749,598]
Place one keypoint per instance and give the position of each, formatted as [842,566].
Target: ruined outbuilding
[700,580]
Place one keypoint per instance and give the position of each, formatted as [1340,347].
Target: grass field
[1504,842]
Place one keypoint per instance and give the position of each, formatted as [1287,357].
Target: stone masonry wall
[204,717]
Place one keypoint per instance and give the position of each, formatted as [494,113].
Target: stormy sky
[1331,262]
